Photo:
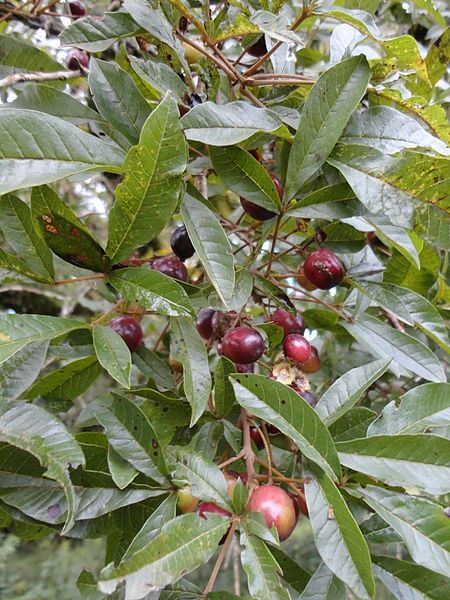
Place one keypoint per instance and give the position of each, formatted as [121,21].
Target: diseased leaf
[148,195]
[113,354]
[212,246]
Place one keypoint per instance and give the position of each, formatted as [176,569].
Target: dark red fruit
[128,329]
[181,244]
[171,266]
[277,507]
[296,347]
[242,345]
[306,395]
[256,437]
[77,9]
[77,60]
[256,212]
[271,429]
[324,268]
[300,504]
[221,322]
[245,368]
[289,322]
[312,363]
[204,322]
[134,260]
[259,48]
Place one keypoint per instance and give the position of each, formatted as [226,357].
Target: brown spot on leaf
[74,232]
[51,229]
[46,219]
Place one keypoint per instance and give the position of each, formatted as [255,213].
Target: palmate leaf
[422,407]
[38,432]
[16,331]
[39,148]
[277,404]
[421,461]
[18,229]
[183,544]
[423,525]
[212,246]
[113,354]
[327,110]
[148,195]
[407,580]
[21,369]
[339,541]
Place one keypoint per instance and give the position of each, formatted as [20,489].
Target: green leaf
[339,541]
[113,354]
[211,244]
[261,568]
[399,187]
[423,525]
[165,413]
[223,390]
[17,226]
[121,470]
[154,367]
[12,263]
[118,100]
[420,408]
[63,232]
[228,124]
[16,331]
[33,153]
[353,424]
[389,131]
[324,585]
[18,56]
[348,389]
[359,19]
[292,573]
[438,57]
[148,195]
[408,580]
[245,176]
[46,99]
[38,432]
[132,436]
[96,35]
[21,369]
[153,290]
[421,461]
[87,586]
[327,110]
[187,346]
[420,279]
[240,497]
[383,341]
[184,544]
[68,382]
[159,77]
[205,478]
[277,404]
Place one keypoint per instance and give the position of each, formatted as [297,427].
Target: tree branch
[11,80]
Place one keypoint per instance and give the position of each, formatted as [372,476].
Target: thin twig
[249,454]
[274,242]
[11,80]
[216,569]
[83,278]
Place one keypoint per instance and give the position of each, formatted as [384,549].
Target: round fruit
[289,322]
[296,347]
[306,395]
[242,345]
[276,506]
[211,507]
[171,266]
[181,244]
[256,437]
[77,60]
[186,502]
[77,9]
[324,268]
[312,363]
[245,368]
[204,322]
[299,504]
[256,212]
[128,329]
[259,48]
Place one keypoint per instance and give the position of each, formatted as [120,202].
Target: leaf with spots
[149,194]
[63,232]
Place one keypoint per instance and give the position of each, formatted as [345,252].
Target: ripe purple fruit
[324,268]
[306,395]
[171,266]
[77,9]
[296,347]
[77,60]
[240,368]
[242,345]
[181,244]
[204,322]
[258,212]
[277,507]
[289,322]
[128,329]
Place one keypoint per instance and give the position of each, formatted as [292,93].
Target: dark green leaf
[324,585]
[113,354]
[121,470]
[153,366]
[159,76]
[223,390]
[21,369]
[292,572]
[19,56]
[353,424]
